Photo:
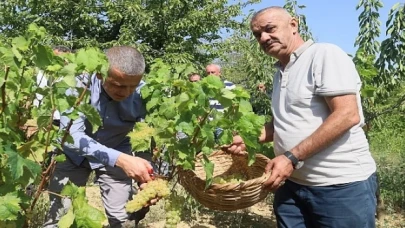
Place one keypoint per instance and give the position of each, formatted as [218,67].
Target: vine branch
[3,90]
[49,170]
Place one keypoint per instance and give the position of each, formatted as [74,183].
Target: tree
[381,65]
[245,63]
[176,30]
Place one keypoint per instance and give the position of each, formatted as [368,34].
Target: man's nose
[125,91]
[264,37]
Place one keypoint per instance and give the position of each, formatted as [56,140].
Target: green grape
[173,207]
[8,224]
[228,179]
[152,190]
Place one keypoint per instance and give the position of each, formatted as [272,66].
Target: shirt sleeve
[87,146]
[82,143]
[334,71]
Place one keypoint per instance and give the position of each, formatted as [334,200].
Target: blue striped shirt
[215,103]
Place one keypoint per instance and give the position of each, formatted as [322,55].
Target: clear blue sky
[332,21]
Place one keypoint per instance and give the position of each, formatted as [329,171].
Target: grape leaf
[213,82]
[20,43]
[228,94]
[245,106]
[89,59]
[69,190]
[91,114]
[209,171]
[18,164]
[43,56]
[69,73]
[152,103]
[60,158]
[185,127]
[67,220]
[9,206]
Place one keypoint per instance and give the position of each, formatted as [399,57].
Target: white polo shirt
[316,70]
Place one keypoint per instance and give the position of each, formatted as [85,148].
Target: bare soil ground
[257,216]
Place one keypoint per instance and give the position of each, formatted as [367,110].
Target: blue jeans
[351,205]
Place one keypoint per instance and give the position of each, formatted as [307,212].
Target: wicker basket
[229,196]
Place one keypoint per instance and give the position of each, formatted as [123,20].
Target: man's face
[195,78]
[212,70]
[261,87]
[119,86]
[274,32]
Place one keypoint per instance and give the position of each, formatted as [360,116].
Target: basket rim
[216,186]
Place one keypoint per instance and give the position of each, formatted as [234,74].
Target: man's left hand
[281,168]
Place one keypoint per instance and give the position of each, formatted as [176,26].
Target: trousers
[115,188]
[349,205]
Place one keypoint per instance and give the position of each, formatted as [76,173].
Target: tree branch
[387,110]
[48,172]
[3,90]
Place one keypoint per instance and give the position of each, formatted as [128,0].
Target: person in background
[323,174]
[107,151]
[194,77]
[215,70]
[261,88]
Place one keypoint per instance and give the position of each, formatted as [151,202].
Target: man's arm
[135,167]
[267,132]
[87,146]
[344,115]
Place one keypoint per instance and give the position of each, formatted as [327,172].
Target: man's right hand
[136,168]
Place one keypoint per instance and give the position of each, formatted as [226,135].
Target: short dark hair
[192,74]
[126,59]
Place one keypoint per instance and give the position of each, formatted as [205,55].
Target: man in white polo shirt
[323,174]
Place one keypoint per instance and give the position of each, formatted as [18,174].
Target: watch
[294,160]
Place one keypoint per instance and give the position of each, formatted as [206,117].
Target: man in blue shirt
[107,151]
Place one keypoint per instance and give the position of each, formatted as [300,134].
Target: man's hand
[237,147]
[135,167]
[152,201]
[281,168]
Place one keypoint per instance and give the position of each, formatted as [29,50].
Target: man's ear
[294,23]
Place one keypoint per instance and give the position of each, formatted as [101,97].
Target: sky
[332,21]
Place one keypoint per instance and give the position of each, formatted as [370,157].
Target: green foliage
[246,64]
[177,30]
[387,145]
[184,123]
[81,214]
[141,137]
[381,66]
[27,132]
[293,8]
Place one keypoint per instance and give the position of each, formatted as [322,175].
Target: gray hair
[214,65]
[276,8]
[126,59]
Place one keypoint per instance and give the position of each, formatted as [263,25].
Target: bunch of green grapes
[173,207]
[229,179]
[154,189]
[8,224]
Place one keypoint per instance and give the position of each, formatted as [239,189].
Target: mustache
[268,43]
